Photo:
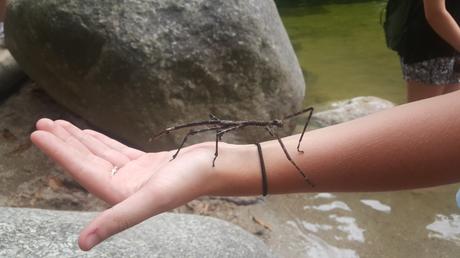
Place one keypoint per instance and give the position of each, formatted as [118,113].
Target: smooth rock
[43,233]
[347,110]
[136,67]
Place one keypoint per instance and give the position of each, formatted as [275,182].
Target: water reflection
[340,223]
[323,196]
[314,246]
[348,226]
[377,205]
[315,227]
[329,206]
[418,223]
[445,227]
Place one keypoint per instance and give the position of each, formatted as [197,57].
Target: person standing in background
[426,35]
[430,47]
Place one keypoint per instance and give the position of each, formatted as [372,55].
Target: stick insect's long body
[223,126]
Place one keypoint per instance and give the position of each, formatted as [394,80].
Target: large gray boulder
[42,233]
[135,67]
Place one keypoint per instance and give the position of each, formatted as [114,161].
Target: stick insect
[221,127]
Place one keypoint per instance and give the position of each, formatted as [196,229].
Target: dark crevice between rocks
[14,89]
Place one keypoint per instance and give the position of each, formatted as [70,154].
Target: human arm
[409,146]
[413,145]
[442,22]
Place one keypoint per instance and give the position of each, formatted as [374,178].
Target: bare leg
[417,91]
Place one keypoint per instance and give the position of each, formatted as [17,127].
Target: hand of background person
[144,185]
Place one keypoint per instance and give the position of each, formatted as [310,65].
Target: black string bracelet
[262,168]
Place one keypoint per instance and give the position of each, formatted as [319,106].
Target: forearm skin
[409,146]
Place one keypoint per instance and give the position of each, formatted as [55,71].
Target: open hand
[138,184]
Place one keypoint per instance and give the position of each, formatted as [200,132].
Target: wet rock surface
[137,67]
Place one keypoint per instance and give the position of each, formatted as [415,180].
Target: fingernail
[92,240]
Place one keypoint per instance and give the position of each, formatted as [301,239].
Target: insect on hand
[221,127]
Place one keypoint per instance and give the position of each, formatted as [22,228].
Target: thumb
[138,207]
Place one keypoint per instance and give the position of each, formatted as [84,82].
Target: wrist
[236,171]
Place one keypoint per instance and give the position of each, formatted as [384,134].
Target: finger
[118,218]
[94,145]
[49,125]
[82,167]
[147,202]
[128,151]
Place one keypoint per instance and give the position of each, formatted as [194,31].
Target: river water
[417,223]
[342,52]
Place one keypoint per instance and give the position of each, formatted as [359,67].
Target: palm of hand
[144,184]
[91,158]
[126,178]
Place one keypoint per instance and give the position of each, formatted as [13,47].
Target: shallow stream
[342,51]
[418,223]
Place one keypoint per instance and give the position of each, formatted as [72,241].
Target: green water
[342,51]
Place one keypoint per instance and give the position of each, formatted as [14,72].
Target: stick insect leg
[274,134]
[213,117]
[191,132]
[216,153]
[219,135]
[310,113]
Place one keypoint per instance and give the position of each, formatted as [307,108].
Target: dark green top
[420,41]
